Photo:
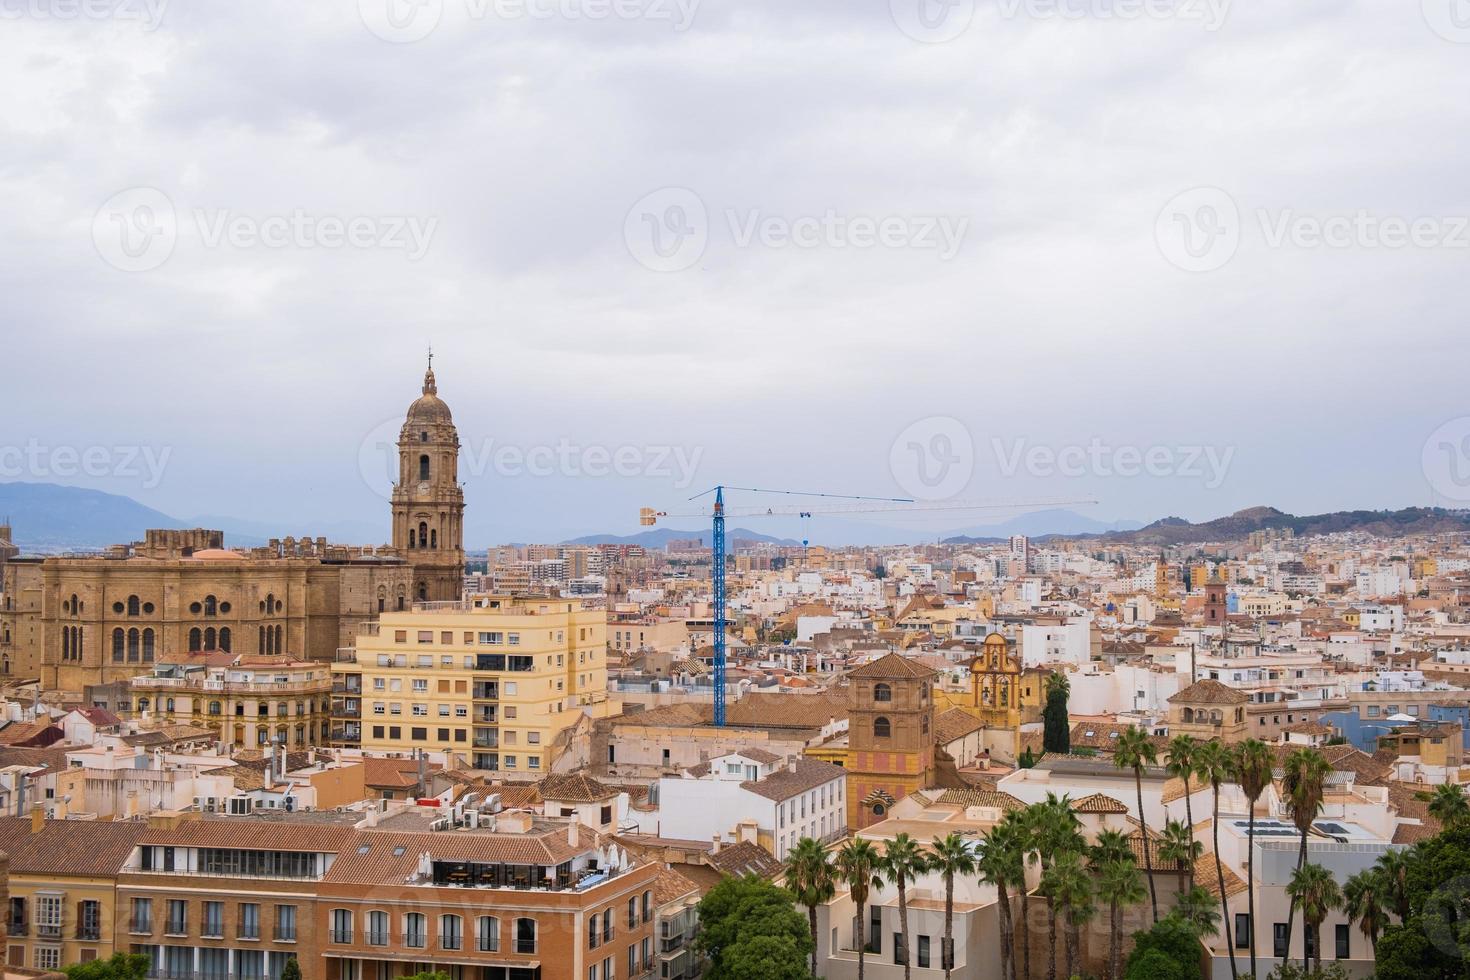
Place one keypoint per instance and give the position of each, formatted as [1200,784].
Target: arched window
[143,704]
[196,640]
[525,936]
[117,645]
[280,642]
[413,538]
[382,599]
[240,735]
[881,727]
[149,646]
[423,592]
[211,605]
[224,638]
[134,638]
[879,809]
[451,932]
[134,606]
[300,734]
[882,692]
[377,928]
[415,930]
[75,605]
[214,707]
[423,467]
[423,534]
[434,538]
[487,934]
[1189,716]
[66,643]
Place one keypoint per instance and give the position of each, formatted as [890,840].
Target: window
[525,935]
[923,949]
[882,692]
[89,920]
[881,727]
[899,956]
[875,929]
[48,916]
[1344,937]
[451,932]
[377,928]
[487,934]
[341,927]
[286,923]
[178,918]
[594,932]
[647,906]
[48,957]
[633,913]
[249,926]
[415,930]
[1242,930]
[142,917]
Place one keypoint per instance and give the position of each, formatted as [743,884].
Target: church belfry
[428,502]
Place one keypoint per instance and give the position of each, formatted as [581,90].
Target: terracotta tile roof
[979,797]
[783,784]
[575,787]
[786,710]
[69,847]
[1207,876]
[1098,803]
[394,773]
[670,886]
[381,862]
[745,858]
[955,724]
[249,834]
[893,666]
[1209,691]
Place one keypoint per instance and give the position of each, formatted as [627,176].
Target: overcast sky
[1006,249]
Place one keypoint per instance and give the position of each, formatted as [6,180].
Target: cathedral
[71,621]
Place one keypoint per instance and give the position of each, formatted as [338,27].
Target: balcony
[176,927]
[48,930]
[341,936]
[18,929]
[284,934]
[347,709]
[89,933]
[353,686]
[138,927]
[488,740]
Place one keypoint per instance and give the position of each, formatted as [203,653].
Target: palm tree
[1215,764]
[809,877]
[1363,899]
[1254,763]
[1303,785]
[1393,866]
[1058,832]
[1120,884]
[953,856]
[1111,845]
[1183,761]
[858,864]
[1069,882]
[1197,907]
[1448,804]
[903,861]
[1313,888]
[1002,864]
[1134,751]
[1177,844]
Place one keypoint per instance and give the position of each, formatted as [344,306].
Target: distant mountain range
[49,518]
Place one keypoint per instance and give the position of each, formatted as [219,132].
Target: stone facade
[74,621]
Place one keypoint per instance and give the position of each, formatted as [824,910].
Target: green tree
[1058,831]
[953,856]
[1177,844]
[903,861]
[1168,951]
[119,966]
[1197,907]
[750,930]
[1120,885]
[1253,767]
[809,877]
[292,971]
[426,975]
[1215,764]
[1393,867]
[1448,804]
[1110,845]
[1313,890]
[859,865]
[1002,864]
[1135,750]
[1056,733]
[1184,753]
[1303,785]
[1069,882]
[1364,901]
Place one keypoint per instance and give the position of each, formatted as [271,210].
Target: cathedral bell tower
[428,502]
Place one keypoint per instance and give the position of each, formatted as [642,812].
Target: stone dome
[429,407]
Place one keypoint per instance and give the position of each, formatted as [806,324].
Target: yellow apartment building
[498,681]
[63,889]
[247,700]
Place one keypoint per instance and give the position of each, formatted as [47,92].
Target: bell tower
[428,502]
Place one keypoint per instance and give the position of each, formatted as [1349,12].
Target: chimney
[38,817]
[572,834]
[718,844]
